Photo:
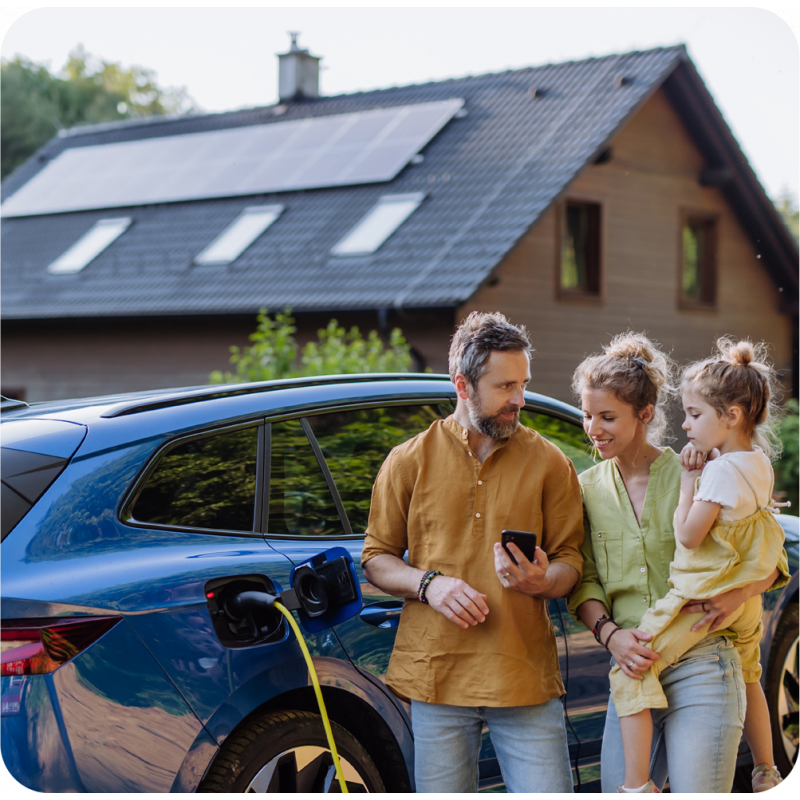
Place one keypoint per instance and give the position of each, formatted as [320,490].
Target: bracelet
[424,583]
[598,626]
[610,635]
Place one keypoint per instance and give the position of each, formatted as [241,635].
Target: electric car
[130,522]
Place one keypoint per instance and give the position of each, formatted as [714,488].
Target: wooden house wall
[650,181]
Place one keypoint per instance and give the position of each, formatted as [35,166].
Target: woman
[629,502]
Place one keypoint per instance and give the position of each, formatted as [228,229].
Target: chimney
[298,73]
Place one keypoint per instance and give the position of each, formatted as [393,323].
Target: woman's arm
[694,518]
[624,646]
[720,607]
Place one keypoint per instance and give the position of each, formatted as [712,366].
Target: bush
[786,469]
[275,354]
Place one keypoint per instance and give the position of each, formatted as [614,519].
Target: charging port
[258,624]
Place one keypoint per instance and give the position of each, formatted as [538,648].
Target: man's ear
[462,386]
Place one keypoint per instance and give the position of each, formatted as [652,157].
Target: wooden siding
[650,181]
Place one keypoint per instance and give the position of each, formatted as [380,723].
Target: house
[580,199]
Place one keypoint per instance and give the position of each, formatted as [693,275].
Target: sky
[226,58]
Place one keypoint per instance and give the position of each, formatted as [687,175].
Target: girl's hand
[633,658]
[717,609]
[693,459]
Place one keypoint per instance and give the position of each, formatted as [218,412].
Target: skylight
[239,235]
[391,211]
[90,245]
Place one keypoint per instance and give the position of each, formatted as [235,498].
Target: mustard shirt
[435,499]
[626,567]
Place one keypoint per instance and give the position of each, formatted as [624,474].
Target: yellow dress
[733,554]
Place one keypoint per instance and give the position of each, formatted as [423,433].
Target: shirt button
[480,483]
[638,539]
[477,515]
[642,569]
[469,453]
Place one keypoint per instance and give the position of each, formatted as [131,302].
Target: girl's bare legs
[757,729]
[637,742]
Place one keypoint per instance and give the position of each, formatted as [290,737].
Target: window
[300,502]
[579,263]
[379,224]
[699,261]
[568,437]
[238,236]
[356,443]
[90,245]
[204,483]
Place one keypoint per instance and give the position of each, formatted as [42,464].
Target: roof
[487,176]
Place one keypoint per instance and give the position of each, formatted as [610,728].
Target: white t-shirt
[728,479]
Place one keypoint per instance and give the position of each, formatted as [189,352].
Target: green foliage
[275,353]
[787,208]
[787,473]
[37,104]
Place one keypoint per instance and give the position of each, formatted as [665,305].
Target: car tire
[287,751]
[782,691]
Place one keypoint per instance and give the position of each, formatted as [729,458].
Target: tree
[787,468]
[35,104]
[275,353]
[787,208]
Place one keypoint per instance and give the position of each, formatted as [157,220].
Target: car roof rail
[214,392]
[7,403]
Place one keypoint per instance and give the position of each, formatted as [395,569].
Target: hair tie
[638,361]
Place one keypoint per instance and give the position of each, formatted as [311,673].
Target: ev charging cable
[318,692]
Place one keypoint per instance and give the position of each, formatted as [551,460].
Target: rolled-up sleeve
[785,576]
[387,528]
[590,587]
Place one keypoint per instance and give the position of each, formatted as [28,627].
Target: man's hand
[633,658]
[457,600]
[526,577]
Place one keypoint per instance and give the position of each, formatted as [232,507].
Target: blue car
[128,524]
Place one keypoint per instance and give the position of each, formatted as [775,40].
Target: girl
[629,502]
[727,537]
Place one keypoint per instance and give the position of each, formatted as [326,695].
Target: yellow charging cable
[311,671]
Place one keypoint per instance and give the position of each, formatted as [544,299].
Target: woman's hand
[717,609]
[633,658]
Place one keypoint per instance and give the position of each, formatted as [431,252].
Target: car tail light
[38,647]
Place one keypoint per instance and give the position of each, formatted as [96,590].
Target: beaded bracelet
[425,582]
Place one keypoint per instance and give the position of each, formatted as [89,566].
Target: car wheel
[287,751]
[782,682]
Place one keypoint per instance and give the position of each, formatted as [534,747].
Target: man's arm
[537,578]
[457,600]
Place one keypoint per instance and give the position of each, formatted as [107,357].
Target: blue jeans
[699,734]
[530,742]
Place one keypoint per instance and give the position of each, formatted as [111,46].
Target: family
[664,556]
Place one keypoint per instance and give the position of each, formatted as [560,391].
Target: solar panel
[339,150]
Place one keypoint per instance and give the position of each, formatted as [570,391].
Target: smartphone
[525,540]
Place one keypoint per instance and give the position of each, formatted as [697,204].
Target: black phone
[525,540]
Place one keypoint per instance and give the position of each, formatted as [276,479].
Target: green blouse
[626,566]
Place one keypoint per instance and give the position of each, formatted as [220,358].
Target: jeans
[530,742]
[699,734]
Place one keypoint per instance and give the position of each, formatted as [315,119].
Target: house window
[90,245]
[699,261]
[239,235]
[391,211]
[579,272]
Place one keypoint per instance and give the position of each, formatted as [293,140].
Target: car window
[569,437]
[356,443]
[300,502]
[208,482]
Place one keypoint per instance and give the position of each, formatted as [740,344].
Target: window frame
[710,277]
[275,210]
[62,264]
[595,293]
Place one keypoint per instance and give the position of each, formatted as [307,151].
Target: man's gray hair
[475,339]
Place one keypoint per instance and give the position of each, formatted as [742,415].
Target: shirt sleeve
[590,587]
[387,527]
[718,484]
[562,514]
[783,568]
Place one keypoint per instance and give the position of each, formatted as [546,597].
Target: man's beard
[492,425]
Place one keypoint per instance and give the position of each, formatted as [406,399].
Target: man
[475,642]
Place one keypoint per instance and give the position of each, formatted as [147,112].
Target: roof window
[90,245]
[391,211]
[239,235]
